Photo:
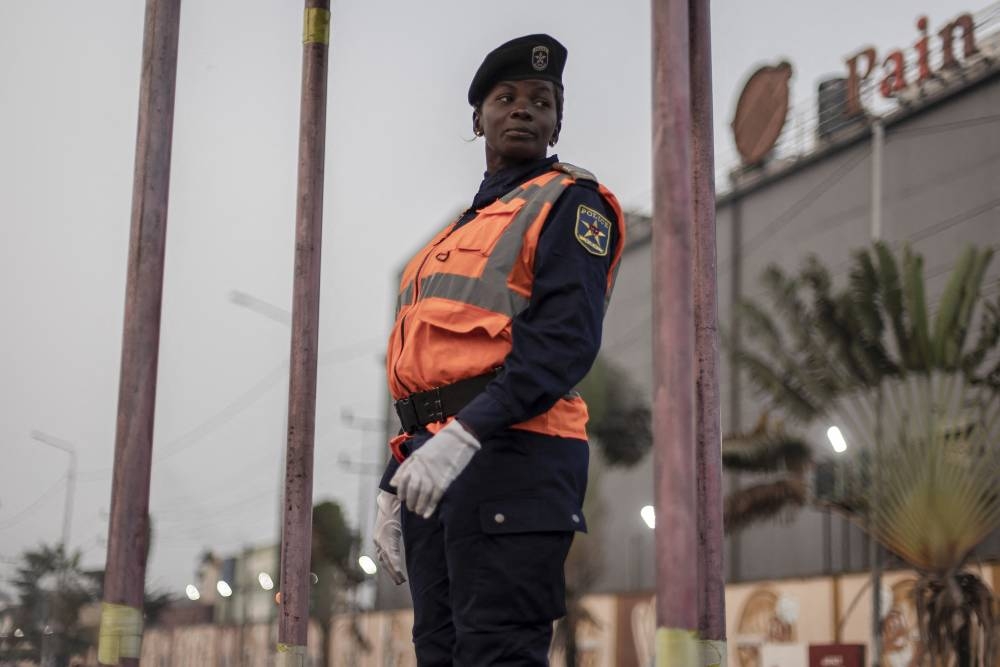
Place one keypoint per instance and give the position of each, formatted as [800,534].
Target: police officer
[499,317]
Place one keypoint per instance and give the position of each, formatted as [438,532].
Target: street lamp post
[67,447]
[281,316]
[51,641]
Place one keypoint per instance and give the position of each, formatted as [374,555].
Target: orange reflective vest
[458,296]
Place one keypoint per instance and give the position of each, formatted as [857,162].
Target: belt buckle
[407,413]
[433,406]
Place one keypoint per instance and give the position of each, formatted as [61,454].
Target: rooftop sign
[895,75]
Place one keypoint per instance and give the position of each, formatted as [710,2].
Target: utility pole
[293,621]
[711,577]
[673,340]
[121,611]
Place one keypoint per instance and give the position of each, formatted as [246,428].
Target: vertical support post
[673,340]
[121,611]
[708,426]
[878,146]
[874,548]
[293,621]
[735,373]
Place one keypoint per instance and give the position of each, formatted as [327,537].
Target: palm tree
[51,589]
[920,399]
[783,459]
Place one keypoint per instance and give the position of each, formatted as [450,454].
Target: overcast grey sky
[399,160]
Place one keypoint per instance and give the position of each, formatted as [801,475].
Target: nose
[521,111]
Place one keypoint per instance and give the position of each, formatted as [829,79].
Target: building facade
[940,173]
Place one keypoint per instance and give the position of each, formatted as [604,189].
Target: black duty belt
[436,405]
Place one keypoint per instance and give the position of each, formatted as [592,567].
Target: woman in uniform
[499,317]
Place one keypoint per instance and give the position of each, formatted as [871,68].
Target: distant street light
[224,589]
[836,439]
[67,447]
[648,514]
[192,592]
[367,565]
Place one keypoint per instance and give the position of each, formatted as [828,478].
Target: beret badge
[540,58]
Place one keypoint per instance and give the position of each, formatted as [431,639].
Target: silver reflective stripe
[490,291]
[405,297]
[473,291]
[508,247]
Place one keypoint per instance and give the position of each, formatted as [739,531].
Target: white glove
[428,472]
[388,535]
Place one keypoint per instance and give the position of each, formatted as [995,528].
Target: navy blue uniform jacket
[555,342]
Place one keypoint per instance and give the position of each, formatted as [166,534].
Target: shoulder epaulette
[579,173]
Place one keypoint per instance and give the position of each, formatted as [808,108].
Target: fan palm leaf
[891,298]
[916,308]
[989,337]
[938,498]
[945,329]
[762,501]
[780,390]
[765,452]
[970,295]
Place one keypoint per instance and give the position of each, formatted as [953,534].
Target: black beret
[528,57]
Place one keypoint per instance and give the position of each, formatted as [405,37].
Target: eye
[543,103]
[504,98]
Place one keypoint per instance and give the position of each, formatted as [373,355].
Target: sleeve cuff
[484,416]
[390,470]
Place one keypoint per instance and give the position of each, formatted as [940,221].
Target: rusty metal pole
[673,340]
[293,621]
[121,611]
[711,577]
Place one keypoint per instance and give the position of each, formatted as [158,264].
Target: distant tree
[620,421]
[51,589]
[333,544]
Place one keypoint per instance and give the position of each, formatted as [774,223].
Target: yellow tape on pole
[290,656]
[120,635]
[676,648]
[713,652]
[316,29]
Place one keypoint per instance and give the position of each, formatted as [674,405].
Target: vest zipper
[416,294]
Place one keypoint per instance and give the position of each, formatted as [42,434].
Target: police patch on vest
[593,230]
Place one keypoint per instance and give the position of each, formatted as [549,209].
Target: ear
[555,134]
[477,128]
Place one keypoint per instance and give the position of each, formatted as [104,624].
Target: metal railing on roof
[804,133]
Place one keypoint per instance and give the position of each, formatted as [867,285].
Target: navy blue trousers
[486,569]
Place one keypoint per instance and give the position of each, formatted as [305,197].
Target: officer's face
[518,120]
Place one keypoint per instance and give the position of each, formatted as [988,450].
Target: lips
[520,133]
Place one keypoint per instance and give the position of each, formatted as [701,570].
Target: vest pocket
[458,318]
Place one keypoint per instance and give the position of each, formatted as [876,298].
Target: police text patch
[592,230]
